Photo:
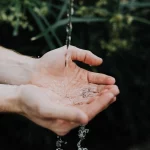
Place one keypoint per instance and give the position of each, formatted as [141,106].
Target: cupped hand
[91,109]
[57,72]
[42,106]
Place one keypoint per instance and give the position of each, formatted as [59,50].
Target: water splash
[59,143]
[82,134]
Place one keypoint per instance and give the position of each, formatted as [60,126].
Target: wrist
[19,67]
[10,99]
[26,69]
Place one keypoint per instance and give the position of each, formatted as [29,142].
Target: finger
[111,88]
[99,78]
[114,99]
[68,113]
[100,88]
[99,104]
[114,89]
[84,56]
[103,89]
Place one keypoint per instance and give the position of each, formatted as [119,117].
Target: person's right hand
[94,107]
[40,106]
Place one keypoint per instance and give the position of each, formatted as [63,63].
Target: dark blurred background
[116,30]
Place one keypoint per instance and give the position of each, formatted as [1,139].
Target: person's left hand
[65,78]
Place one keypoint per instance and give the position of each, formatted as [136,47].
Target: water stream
[82,131]
[69,24]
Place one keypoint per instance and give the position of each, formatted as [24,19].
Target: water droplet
[67,29]
[59,143]
[82,133]
[72,11]
[69,38]
[70,25]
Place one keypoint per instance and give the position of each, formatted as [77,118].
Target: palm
[72,83]
[40,105]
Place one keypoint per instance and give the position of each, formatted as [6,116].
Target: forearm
[9,99]
[14,68]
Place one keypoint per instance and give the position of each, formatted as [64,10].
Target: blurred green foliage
[15,12]
[50,16]
[119,20]
[116,30]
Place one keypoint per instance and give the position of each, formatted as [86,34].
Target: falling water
[82,131]
[68,42]
[69,24]
[59,143]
